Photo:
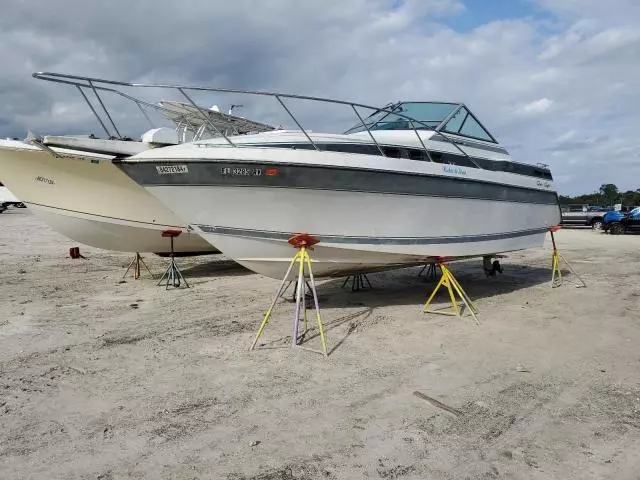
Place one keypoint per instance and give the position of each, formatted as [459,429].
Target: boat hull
[357,232]
[117,234]
[89,200]
[368,212]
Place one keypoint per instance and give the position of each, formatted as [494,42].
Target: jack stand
[172,273]
[490,268]
[293,295]
[556,274]
[302,242]
[431,271]
[135,263]
[74,252]
[357,282]
[448,280]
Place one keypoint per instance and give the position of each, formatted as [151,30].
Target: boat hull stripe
[271,235]
[250,174]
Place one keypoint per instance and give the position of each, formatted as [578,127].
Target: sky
[555,81]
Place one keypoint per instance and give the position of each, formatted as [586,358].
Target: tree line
[608,194]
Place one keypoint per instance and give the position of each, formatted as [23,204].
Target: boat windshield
[464,123]
[427,116]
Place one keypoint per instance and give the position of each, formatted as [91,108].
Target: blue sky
[480,12]
[554,80]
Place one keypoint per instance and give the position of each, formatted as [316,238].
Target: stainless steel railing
[96,85]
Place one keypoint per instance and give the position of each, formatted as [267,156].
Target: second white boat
[86,198]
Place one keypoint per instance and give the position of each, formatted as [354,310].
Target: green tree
[631,198]
[610,193]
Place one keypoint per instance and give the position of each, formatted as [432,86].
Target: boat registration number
[45,180]
[241,172]
[171,169]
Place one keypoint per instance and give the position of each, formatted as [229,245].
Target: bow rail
[95,85]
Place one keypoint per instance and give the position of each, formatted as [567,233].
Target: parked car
[627,223]
[610,218]
[584,215]
[615,216]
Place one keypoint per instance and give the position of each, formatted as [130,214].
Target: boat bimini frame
[97,85]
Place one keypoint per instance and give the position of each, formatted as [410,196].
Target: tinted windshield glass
[426,115]
[463,123]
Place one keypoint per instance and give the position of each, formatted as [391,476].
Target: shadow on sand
[354,320]
[405,287]
[215,268]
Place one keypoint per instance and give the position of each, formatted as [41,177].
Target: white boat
[412,182]
[84,197]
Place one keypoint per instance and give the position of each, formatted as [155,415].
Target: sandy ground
[108,380]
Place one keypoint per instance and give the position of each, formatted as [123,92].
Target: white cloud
[537,107]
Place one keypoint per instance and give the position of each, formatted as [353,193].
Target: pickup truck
[583,215]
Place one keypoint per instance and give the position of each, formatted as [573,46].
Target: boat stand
[295,288]
[358,282]
[303,243]
[491,267]
[431,271]
[135,264]
[453,287]
[74,252]
[556,272]
[172,275]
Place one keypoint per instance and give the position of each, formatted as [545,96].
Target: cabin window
[461,161]
[393,152]
[415,154]
[437,157]
[350,148]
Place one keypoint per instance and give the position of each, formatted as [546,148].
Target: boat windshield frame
[425,124]
[96,85]
[437,125]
